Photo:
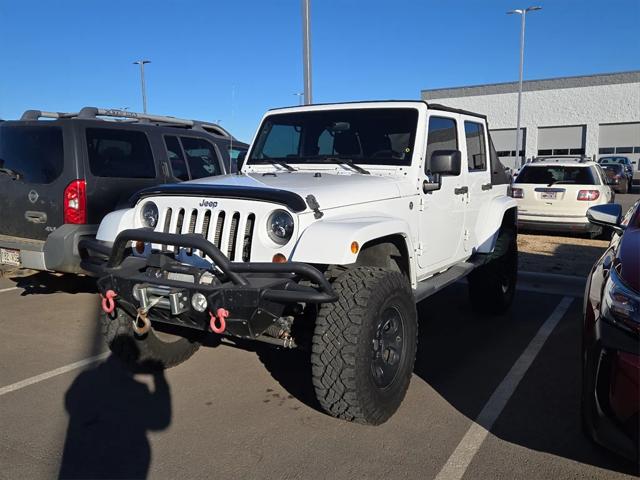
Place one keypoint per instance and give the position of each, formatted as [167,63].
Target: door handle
[461,190]
[35,217]
[487,186]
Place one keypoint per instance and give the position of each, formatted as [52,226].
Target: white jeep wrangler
[341,219]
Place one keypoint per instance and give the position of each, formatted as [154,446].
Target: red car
[611,336]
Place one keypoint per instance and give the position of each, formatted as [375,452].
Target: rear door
[478,178]
[33,176]
[119,162]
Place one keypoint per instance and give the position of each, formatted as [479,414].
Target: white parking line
[2,290]
[460,459]
[53,373]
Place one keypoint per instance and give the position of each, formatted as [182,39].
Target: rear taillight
[588,195]
[75,202]
[517,193]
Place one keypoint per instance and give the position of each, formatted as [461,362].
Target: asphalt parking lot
[244,413]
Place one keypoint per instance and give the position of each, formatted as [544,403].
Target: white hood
[330,190]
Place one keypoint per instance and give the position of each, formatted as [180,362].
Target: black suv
[61,173]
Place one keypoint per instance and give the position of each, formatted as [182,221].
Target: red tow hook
[108,302]
[217,322]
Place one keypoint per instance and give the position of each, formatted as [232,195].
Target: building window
[624,149]
[606,150]
[636,149]
[576,151]
[504,153]
[545,152]
[561,151]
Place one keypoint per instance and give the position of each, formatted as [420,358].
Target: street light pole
[523,14]
[306,51]
[143,86]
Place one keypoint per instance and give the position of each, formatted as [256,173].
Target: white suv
[342,218]
[555,195]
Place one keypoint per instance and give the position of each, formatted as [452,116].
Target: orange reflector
[279,258]
[355,248]
[139,247]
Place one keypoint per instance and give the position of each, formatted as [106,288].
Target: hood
[329,189]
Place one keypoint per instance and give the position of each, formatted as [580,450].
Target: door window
[119,153]
[202,158]
[31,154]
[174,153]
[443,135]
[476,154]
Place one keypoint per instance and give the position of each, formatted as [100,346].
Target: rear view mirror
[445,162]
[607,215]
[339,127]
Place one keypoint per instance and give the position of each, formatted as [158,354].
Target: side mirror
[607,215]
[240,160]
[446,162]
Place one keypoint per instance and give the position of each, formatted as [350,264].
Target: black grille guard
[102,259]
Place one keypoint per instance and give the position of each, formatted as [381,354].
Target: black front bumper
[256,294]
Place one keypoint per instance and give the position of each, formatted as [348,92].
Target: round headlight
[149,214]
[280,226]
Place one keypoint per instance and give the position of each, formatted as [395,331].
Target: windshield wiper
[282,164]
[347,161]
[11,173]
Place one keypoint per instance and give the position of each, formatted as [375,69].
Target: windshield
[550,174]
[372,136]
[622,160]
[612,167]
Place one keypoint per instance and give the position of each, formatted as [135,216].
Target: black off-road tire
[492,286]
[150,352]
[355,335]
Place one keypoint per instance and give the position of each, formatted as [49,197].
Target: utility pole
[143,86]
[306,51]
[523,14]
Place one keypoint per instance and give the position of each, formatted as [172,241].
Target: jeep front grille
[231,232]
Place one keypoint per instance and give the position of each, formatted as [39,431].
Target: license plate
[548,195]
[10,257]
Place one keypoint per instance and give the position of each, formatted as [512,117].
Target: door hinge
[421,204]
[419,249]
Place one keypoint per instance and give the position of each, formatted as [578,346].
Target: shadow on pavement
[292,370]
[45,283]
[110,413]
[465,356]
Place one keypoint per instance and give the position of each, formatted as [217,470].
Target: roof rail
[93,113]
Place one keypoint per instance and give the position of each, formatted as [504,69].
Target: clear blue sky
[63,54]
